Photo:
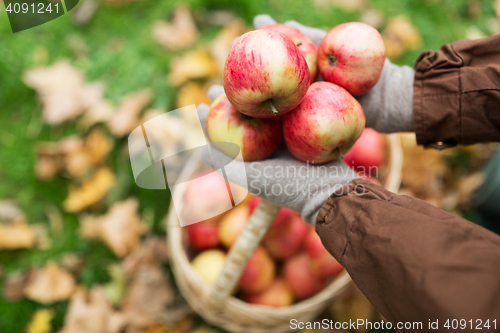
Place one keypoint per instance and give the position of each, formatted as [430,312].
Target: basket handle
[242,250]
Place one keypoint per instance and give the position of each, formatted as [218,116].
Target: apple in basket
[259,272]
[203,235]
[278,294]
[323,263]
[305,45]
[232,224]
[208,264]
[325,125]
[257,138]
[265,74]
[352,55]
[299,274]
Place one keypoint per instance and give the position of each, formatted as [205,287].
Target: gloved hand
[282,179]
[388,106]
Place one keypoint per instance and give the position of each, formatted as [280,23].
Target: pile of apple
[271,93]
[290,264]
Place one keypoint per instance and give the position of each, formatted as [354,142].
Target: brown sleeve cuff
[457,94]
[343,225]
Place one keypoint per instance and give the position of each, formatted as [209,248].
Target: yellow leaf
[16,236]
[178,34]
[192,93]
[126,118]
[197,64]
[221,45]
[90,192]
[40,321]
[401,35]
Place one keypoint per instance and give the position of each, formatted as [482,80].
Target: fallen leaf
[474,33]
[193,65]
[401,35]
[474,9]
[121,228]
[10,212]
[178,34]
[496,7]
[126,118]
[73,262]
[100,112]
[192,93]
[63,91]
[373,17]
[16,236]
[221,45]
[92,313]
[153,251]
[148,297]
[467,186]
[49,284]
[90,192]
[40,321]
[14,284]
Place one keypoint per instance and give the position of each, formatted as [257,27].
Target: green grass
[138,63]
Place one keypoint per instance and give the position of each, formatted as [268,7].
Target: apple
[203,235]
[325,125]
[299,274]
[286,234]
[207,197]
[278,294]
[259,272]
[265,74]
[231,225]
[368,152]
[323,263]
[208,264]
[305,45]
[352,55]
[257,138]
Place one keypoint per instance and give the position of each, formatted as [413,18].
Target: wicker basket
[216,304]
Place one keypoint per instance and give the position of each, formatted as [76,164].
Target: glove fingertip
[215,91]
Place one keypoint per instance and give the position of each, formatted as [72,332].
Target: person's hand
[388,106]
[281,179]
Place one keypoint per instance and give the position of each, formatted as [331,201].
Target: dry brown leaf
[90,192]
[101,112]
[346,5]
[373,17]
[40,321]
[197,64]
[153,251]
[467,186]
[178,34]
[10,212]
[422,168]
[148,298]
[121,228]
[221,45]
[126,118]
[474,9]
[92,313]
[401,35]
[63,91]
[49,284]
[14,284]
[192,93]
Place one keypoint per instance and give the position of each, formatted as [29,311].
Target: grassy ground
[139,63]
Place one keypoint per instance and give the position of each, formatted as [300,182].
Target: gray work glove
[282,179]
[388,106]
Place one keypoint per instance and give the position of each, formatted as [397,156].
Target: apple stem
[340,154]
[275,112]
[332,59]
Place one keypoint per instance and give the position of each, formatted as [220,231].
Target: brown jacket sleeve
[457,94]
[413,261]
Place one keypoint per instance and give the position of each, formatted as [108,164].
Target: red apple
[259,272]
[231,225]
[323,263]
[305,45]
[257,138]
[299,274]
[286,234]
[203,235]
[207,196]
[368,153]
[265,74]
[328,121]
[278,294]
[352,55]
